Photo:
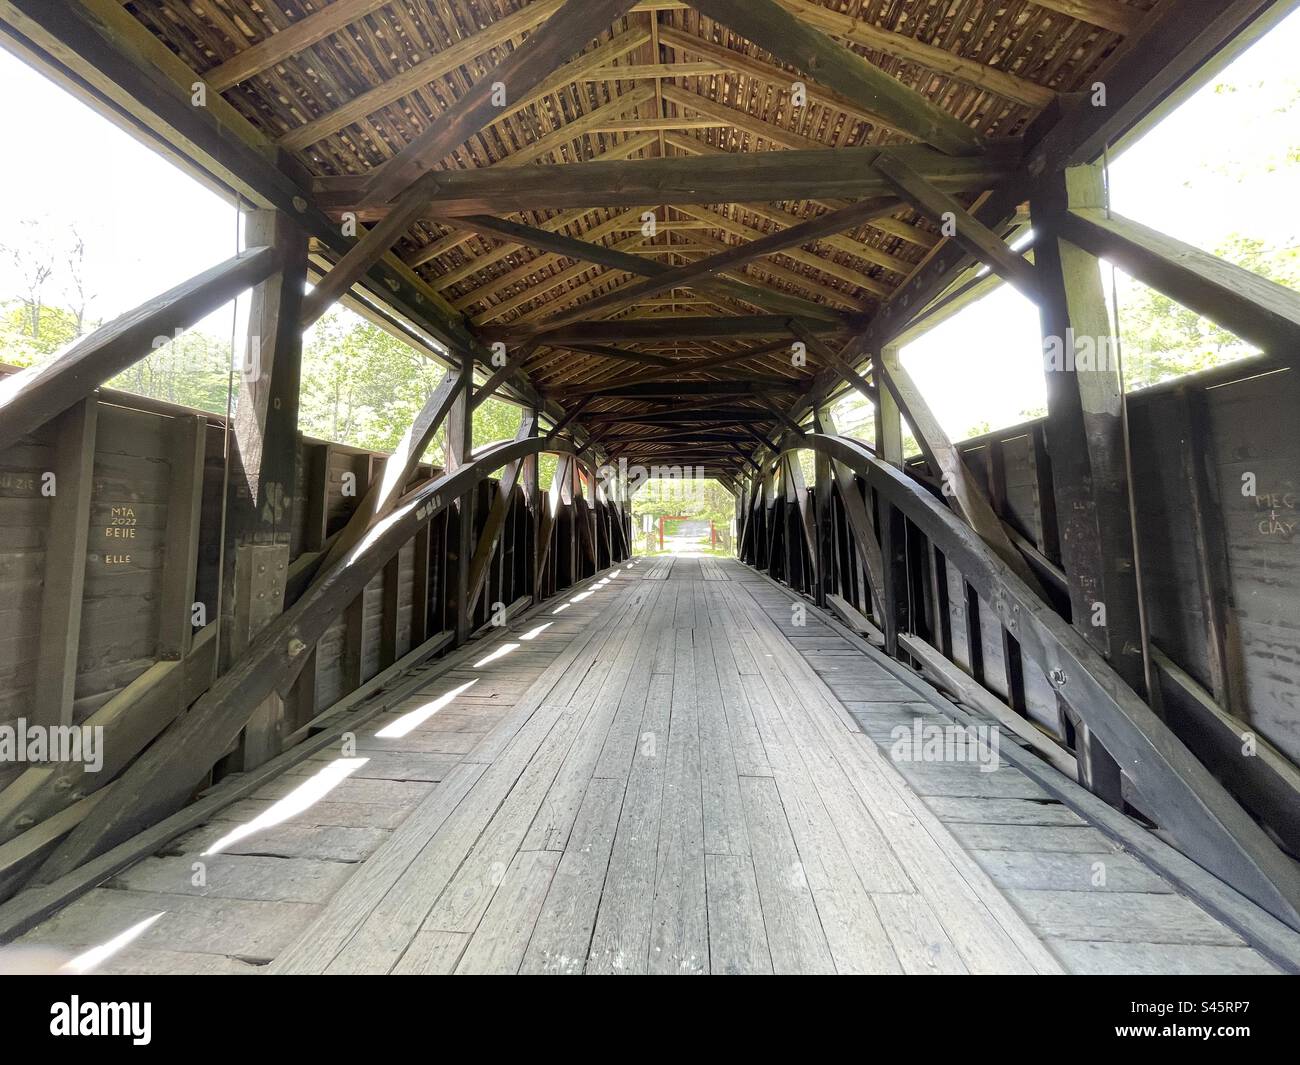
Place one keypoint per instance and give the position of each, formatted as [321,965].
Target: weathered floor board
[672,772]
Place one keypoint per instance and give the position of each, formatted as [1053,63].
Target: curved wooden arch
[1187,801]
[162,779]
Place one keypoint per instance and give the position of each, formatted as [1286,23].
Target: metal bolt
[1057,677]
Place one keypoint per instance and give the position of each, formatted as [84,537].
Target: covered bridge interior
[445,721]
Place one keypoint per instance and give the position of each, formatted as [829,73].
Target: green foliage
[1163,339]
[361,385]
[29,333]
[192,370]
[694,498]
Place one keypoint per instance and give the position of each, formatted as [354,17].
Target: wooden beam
[551,508]
[644,71]
[734,177]
[585,250]
[731,59]
[484,392]
[563,36]
[569,416]
[945,460]
[259,513]
[621,354]
[825,267]
[808,49]
[1086,441]
[266,414]
[803,233]
[711,414]
[949,676]
[492,288]
[496,519]
[824,354]
[1258,310]
[1108,14]
[678,367]
[66,537]
[498,32]
[164,777]
[459,446]
[399,467]
[968,231]
[33,396]
[461,234]
[742,387]
[860,525]
[1179,792]
[287,43]
[865,33]
[827,561]
[694,328]
[188,450]
[1210,550]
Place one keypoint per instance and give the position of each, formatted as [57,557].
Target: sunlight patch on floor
[96,956]
[499,653]
[301,798]
[409,722]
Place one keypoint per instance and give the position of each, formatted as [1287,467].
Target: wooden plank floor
[672,772]
[1098,908]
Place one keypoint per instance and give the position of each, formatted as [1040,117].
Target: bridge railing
[194,654]
[899,565]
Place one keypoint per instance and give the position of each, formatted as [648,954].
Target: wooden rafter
[821,173]
[563,36]
[808,49]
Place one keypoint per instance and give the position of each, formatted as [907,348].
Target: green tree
[1162,339]
[26,340]
[692,498]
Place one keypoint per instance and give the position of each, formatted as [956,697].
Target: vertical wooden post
[824,517]
[316,468]
[189,437]
[889,421]
[570,499]
[460,445]
[389,619]
[894,593]
[1049,540]
[66,542]
[1085,438]
[533,509]
[1212,571]
[420,588]
[354,614]
[259,513]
